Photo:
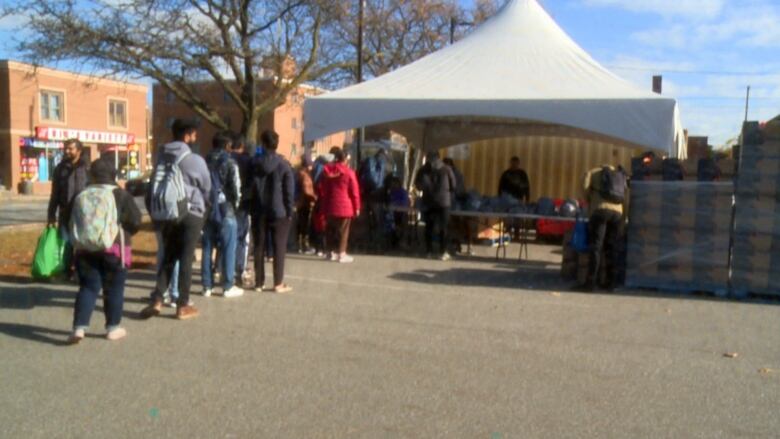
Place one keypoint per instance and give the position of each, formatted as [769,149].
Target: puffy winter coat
[340,191]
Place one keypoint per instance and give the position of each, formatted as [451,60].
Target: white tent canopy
[518,69]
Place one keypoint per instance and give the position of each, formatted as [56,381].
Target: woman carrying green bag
[49,254]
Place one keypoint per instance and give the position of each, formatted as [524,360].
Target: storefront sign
[31,142]
[50,133]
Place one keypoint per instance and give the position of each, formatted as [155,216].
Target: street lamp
[361,131]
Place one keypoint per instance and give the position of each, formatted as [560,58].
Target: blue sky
[708,51]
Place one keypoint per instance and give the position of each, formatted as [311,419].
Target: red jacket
[340,194]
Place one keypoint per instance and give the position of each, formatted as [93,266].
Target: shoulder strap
[181,157]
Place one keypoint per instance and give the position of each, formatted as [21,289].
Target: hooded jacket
[67,181]
[437,182]
[340,191]
[197,180]
[273,186]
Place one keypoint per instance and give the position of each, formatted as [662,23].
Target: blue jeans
[98,271]
[242,230]
[173,288]
[224,236]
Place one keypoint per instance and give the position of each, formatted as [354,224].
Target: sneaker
[320,254]
[346,259]
[116,333]
[152,310]
[234,291]
[261,289]
[334,257]
[310,252]
[187,312]
[446,257]
[282,289]
[169,301]
[76,336]
[207,292]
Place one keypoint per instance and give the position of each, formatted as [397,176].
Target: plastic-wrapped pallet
[679,236]
[756,253]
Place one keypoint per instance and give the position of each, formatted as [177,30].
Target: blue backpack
[217,197]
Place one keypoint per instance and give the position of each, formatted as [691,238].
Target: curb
[22,227]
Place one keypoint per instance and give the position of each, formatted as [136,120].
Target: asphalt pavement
[395,347]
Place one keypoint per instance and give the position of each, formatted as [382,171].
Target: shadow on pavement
[56,337]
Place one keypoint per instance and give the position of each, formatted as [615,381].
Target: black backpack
[613,185]
[262,189]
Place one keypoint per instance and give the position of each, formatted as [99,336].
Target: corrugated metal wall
[555,165]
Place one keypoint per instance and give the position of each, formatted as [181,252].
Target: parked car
[139,186]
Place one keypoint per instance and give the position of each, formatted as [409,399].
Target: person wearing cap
[305,204]
[107,269]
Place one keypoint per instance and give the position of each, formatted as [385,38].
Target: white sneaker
[207,292]
[76,336]
[334,257]
[346,259]
[320,254]
[234,291]
[446,257]
[169,301]
[116,334]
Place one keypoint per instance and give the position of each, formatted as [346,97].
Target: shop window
[52,106]
[117,113]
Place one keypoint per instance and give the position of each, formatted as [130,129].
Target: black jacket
[229,173]
[437,182]
[66,182]
[516,184]
[244,162]
[273,186]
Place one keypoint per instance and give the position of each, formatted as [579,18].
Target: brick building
[41,107]
[286,119]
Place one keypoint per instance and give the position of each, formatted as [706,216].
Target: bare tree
[181,43]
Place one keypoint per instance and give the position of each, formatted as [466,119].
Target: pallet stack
[679,236]
[756,252]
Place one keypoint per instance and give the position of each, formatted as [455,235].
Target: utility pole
[361,131]
[747,103]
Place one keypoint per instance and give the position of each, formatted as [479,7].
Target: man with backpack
[606,192]
[437,183]
[221,226]
[103,218]
[68,180]
[176,201]
[272,208]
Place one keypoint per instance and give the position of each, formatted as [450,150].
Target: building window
[169,122]
[52,106]
[117,113]
[169,98]
[294,150]
[226,97]
[294,123]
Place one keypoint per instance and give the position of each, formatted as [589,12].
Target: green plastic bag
[49,254]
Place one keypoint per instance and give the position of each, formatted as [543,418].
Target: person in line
[397,197]
[341,204]
[180,237]
[371,179]
[605,191]
[106,269]
[221,227]
[514,181]
[307,198]
[437,183]
[459,225]
[319,219]
[273,204]
[172,294]
[244,161]
[68,180]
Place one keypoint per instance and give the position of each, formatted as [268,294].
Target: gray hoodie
[197,179]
